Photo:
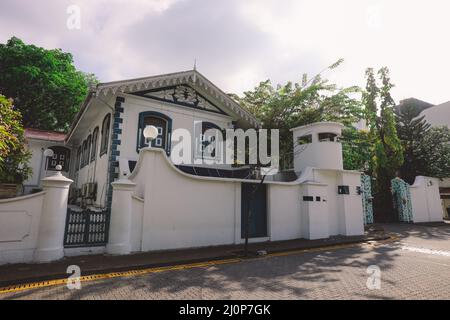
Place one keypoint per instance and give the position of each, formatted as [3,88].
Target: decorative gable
[181,95]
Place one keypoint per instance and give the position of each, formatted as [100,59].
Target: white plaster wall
[137,214]
[345,213]
[326,155]
[425,200]
[330,178]
[183,212]
[19,227]
[351,220]
[284,210]
[315,216]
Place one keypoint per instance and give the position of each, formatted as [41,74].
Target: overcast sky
[238,43]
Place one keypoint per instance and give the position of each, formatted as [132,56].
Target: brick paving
[334,274]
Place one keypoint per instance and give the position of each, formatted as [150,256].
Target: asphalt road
[417,266]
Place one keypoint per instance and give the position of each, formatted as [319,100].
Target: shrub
[13,154]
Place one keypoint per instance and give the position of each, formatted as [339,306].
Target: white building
[128,197]
[438,116]
[38,141]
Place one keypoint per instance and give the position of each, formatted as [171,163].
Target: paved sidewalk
[414,266]
[93,264]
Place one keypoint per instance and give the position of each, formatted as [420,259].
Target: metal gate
[366,190]
[86,228]
[401,196]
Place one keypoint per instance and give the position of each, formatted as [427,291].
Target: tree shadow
[435,231]
[297,276]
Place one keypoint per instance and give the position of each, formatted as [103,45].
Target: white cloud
[239,43]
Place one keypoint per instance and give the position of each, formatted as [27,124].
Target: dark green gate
[86,228]
[257,200]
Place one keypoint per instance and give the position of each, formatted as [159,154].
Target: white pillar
[50,244]
[120,225]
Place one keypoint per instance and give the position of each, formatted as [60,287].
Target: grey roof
[418,104]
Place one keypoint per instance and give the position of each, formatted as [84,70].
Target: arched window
[89,146]
[84,152]
[94,144]
[164,125]
[105,134]
[77,164]
[209,142]
[61,156]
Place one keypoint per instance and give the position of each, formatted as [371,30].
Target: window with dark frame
[61,156]
[208,144]
[327,137]
[94,144]
[163,124]
[304,139]
[83,154]
[77,164]
[89,146]
[105,134]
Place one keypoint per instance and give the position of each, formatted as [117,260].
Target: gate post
[120,223]
[50,244]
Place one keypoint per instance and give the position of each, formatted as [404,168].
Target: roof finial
[195,70]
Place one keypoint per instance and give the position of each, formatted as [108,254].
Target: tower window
[304,139]
[327,137]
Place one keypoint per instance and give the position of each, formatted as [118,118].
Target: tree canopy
[13,154]
[426,149]
[44,84]
[295,104]
[386,149]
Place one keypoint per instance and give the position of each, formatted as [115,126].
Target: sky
[238,43]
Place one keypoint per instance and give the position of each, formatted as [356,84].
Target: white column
[120,225]
[50,244]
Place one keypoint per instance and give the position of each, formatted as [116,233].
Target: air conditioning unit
[89,190]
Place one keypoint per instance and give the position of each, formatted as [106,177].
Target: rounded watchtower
[318,145]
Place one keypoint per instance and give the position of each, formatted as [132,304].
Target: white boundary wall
[425,200]
[171,209]
[32,226]
[19,227]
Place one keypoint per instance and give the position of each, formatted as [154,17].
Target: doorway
[254,196]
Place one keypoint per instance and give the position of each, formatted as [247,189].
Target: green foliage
[386,150]
[9,124]
[295,104]
[356,149]
[426,149]
[45,86]
[387,153]
[432,153]
[13,155]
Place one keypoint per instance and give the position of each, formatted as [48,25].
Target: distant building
[438,116]
[418,104]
